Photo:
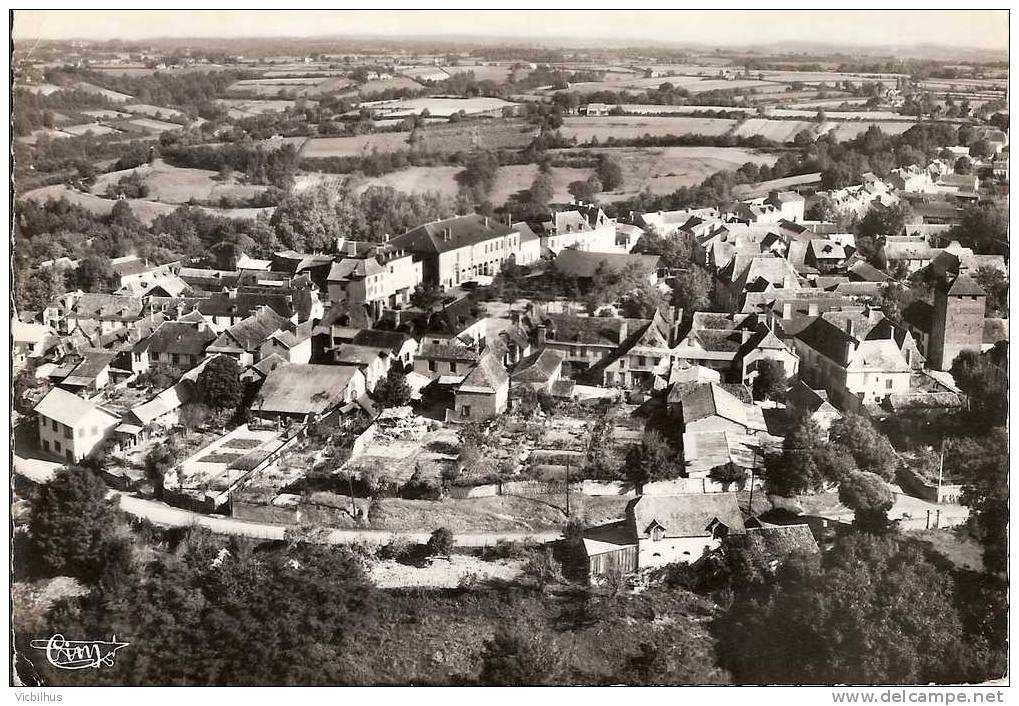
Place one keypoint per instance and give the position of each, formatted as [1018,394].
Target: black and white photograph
[509,348]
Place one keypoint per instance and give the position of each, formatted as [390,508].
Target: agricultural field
[154,125]
[94,128]
[849,130]
[153,111]
[145,211]
[173,185]
[112,95]
[663,170]
[631,127]
[779,130]
[499,74]
[105,114]
[33,137]
[239,109]
[355,145]
[444,107]
[496,134]
[378,86]
[43,89]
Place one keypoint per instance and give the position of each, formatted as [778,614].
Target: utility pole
[941,470]
[567,488]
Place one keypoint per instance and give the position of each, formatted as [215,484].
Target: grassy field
[495,134]
[169,184]
[356,145]
[238,109]
[849,130]
[444,107]
[154,125]
[153,111]
[145,211]
[112,95]
[779,130]
[955,545]
[663,170]
[94,128]
[630,127]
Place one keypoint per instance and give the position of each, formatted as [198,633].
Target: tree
[95,274]
[441,542]
[981,149]
[609,173]
[871,611]
[984,227]
[982,463]
[427,297]
[586,190]
[193,415]
[72,523]
[649,460]
[869,497]
[994,282]
[541,192]
[542,568]
[795,470]
[393,390]
[691,290]
[770,382]
[986,388]
[219,383]
[964,165]
[642,302]
[521,657]
[727,474]
[869,447]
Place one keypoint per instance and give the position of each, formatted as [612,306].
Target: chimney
[787,310]
[849,326]
[352,248]
[622,330]
[486,221]
[232,293]
[812,309]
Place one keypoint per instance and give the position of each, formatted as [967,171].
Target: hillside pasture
[663,170]
[174,185]
[146,211]
[154,125]
[849,130]
[239,109]
[778,130]
[444,107]
[85,128]
[355,145]
[396,83]
[153,111]
[105,92]
[625,127]
[457,137]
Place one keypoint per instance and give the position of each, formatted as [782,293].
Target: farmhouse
[172,344]
[484,392]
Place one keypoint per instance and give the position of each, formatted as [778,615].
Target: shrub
[441,542]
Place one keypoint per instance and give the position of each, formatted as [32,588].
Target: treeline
[262,165]
[32,111]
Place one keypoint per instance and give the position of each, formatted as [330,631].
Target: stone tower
[958,323]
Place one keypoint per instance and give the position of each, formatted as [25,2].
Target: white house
[70,428]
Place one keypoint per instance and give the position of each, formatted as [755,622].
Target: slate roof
[538,367]
[687,515]
[487,376]
[175,337]
[463,231]
[773,542]
[588,330]
[965,286]
[710,400]
[92,364]
[248,334]
[68,409]
[863,271]
[293,388]
[244,304]
[447,349]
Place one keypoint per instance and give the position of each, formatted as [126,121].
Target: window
[641,360]
[56,427]
[45,445]
[888,384]
[68,433]
[657,534]
[452,366]
[56,446]
[431,366]
[465,411]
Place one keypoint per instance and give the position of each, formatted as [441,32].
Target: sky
[984,29]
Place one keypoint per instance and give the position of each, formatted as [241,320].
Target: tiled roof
[292,388]
[583,264]
[487,376]
[538,367]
